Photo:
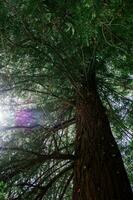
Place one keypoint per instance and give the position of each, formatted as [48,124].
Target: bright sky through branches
[15,112]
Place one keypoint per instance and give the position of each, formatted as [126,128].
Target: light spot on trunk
[78,190]
[113,155]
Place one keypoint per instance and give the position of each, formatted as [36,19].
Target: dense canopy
[61,55]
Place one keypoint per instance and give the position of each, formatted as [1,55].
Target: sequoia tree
[75,56]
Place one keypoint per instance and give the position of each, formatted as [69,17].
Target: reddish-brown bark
[99,173]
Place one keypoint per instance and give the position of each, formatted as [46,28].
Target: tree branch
[42,157]
[53,129]
[45,188]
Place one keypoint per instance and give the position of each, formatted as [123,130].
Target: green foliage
[3,190]
[50,49]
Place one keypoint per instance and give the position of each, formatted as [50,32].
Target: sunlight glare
[3,117]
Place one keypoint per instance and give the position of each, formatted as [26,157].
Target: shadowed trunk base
[99,173]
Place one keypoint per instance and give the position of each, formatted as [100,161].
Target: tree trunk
[99,173]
